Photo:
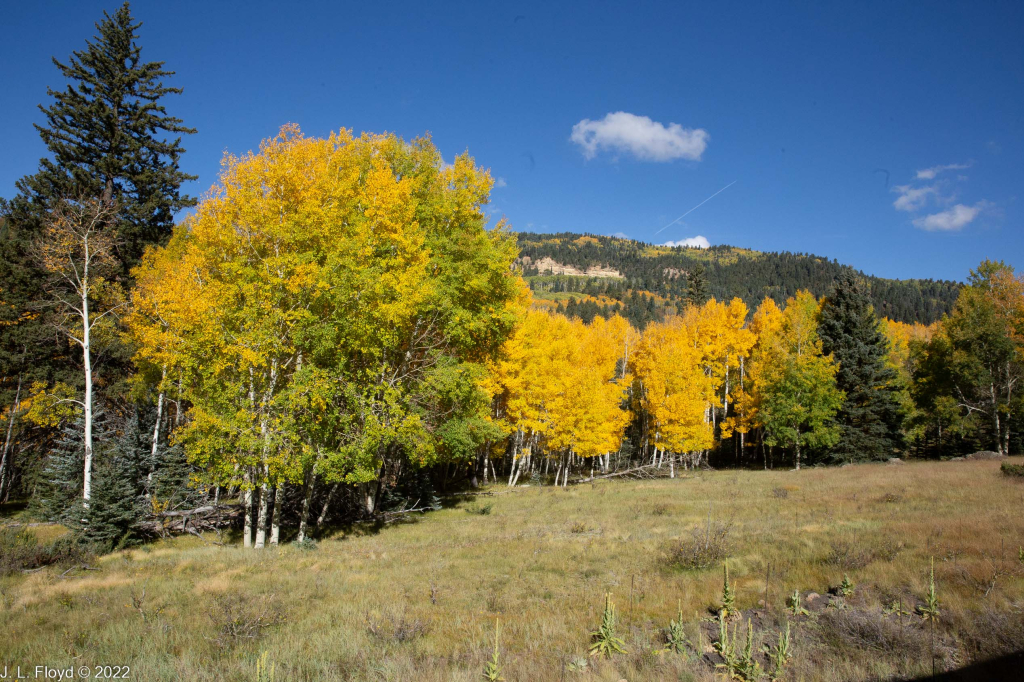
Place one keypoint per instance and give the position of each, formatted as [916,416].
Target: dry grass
[419,600]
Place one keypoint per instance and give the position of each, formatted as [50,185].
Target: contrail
[695,208]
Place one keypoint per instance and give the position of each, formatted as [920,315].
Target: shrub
[238,619]
[1013,470]
[21,551]
[307,544]
[483,510]
[395,627]
[846,556]
[705,547]
[852,631]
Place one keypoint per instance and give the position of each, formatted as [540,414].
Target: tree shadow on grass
[1009,667]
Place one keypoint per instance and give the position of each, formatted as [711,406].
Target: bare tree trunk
[513,473]
[156,432]
[7,441]
[275,524]
[798,454]
[995,418]
[261,518]
[327,504]
[307,498]
[672,465]
[247,501]
[87,403]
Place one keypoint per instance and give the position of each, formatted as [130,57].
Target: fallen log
[207,517]
[644,471]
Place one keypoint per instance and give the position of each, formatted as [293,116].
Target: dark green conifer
[106,133]
[870,419]
[697,285]
[118,504]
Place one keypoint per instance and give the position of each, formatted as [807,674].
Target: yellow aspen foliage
[559,383]
[327,308]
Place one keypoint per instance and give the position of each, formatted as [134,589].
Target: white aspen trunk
[494,474]
[1009,395]
[368,498]
[87,362]
[672,465]
[156,433]
[514,469]
[742,433]
[275,523]
[306,500]
[7,441]
[327,505]
[995,418]
[261,518]
[247,501]
[798,455]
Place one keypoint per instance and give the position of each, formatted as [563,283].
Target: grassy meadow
[418,600]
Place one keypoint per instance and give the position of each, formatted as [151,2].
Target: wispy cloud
[912,198]
[699,242]
[646,139]
[621,235]
[930,173]
[951,219]
[500,182]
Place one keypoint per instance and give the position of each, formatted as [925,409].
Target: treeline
[814,382]
[729,272]
[334,334]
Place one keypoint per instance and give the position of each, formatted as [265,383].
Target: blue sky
[888,136]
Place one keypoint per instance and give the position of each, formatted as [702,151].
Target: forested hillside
[654,280]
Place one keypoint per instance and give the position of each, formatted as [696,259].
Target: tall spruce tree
[107,134]
[697,286]
[118,503]
[870,419]
[109,137]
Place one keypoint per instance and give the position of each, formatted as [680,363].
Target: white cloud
[930,173]
[699,242]
[911,198]
[951,219]
[645,139]
[621,235]
[500,182]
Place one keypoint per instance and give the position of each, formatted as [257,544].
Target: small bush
[483,510]
[1013,470]
[395,627]
[21,551]
[705,548]
[846,556]
[857,631]
[238,619]
[307,544]
[780,493]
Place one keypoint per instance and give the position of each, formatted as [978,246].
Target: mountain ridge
[598,272]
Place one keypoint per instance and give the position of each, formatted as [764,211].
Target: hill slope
[647,280]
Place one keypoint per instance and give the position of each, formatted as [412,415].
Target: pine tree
[106,136]
[870,418]
[117,504]
[60,491]
[697,285]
